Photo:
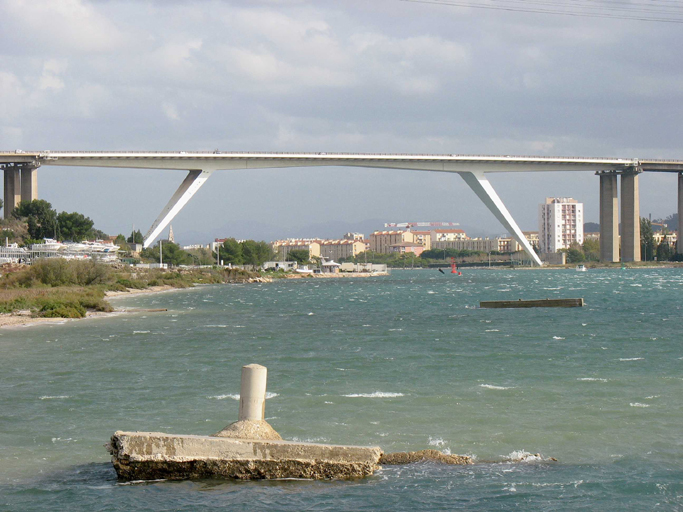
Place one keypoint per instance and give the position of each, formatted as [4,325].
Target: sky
[385,76]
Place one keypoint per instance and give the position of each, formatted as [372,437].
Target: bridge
[20,168]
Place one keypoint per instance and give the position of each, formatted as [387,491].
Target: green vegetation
[301,256]
[61,288]
[135,238]
[171,254]
[34,220]
[248,252]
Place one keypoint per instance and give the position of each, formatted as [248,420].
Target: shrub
[61,272]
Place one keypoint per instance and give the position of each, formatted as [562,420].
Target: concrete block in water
[536,303]
[155,455]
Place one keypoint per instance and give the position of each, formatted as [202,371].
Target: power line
[567,10]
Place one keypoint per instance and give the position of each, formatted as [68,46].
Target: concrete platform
[155,455]
[540,303]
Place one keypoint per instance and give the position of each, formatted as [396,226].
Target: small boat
[581,268]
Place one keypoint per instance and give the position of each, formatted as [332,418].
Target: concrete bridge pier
[21,184]
[609,217]
[12,190]
[630,217]
[29,183]
[679,243]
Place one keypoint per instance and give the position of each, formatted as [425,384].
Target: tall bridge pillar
[12,190]
[679,243]
[609,217]
[29,183]
[630,217]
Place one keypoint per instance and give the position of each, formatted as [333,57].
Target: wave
[491,386]
[236,396]
[636,404]
[631,358]
[376,394]
[60,397]
[592,379]
[523,456]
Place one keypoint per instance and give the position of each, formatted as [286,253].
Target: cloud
[379,76]
[73,26]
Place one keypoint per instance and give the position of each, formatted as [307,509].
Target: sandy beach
[24,319]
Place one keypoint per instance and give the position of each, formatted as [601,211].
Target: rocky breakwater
[247,449]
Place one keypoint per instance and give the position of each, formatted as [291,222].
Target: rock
[422,456]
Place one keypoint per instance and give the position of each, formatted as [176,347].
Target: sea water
[405,362]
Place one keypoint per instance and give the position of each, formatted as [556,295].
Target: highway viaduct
[20,184]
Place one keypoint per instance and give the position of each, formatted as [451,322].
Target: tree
[172,254]
[575,254]
[120,240]
[249,253]
[231,252]
[40,217]
[664,252]
[647,239]
[264,252]
[135,238]
[74,226]
[591,249]
[298,255]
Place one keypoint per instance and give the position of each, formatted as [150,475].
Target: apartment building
[560,221]
[381,241]
[424,238]
[447,235]
[480,245]
[407,247]
[284,246]
[338,249]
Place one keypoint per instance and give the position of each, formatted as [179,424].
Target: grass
[58,288]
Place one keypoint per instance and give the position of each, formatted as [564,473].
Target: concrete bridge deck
[21,184]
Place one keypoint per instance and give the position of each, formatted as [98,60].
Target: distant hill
[591,227]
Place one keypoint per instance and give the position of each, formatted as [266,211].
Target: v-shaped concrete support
[481,186]
[192,182]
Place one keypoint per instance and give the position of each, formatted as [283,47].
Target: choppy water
[406,362]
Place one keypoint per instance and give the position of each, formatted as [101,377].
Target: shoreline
[24,318]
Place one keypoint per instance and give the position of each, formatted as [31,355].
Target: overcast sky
[327,76]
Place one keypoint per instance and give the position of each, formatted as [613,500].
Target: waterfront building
[424,238]
[407,247]
[447,235]
[283,247]
[381,241]
[354,236]
[341,249]
[508,245]
[480,245]
[560,222]
[532,238]
[470,244]
[668,238]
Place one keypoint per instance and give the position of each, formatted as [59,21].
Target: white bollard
[253,393]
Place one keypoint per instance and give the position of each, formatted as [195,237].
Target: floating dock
[535,303]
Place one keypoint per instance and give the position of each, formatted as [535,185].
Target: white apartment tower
[560,223]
